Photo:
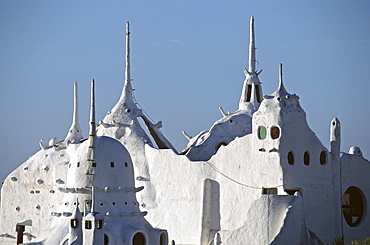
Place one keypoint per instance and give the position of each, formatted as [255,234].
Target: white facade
[260,175]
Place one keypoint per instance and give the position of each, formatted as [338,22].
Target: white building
[258,176]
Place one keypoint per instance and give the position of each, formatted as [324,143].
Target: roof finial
[127,96]
[281,85]
[75,133]
[92,134]
[252,48]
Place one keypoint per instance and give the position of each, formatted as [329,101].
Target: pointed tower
[75,133]
[75,227]
[251,96]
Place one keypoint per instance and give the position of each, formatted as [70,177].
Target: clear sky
[187,59]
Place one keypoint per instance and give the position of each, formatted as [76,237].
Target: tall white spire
[75,133]
[92,132]
[252,48]
[251,96]
[126,95]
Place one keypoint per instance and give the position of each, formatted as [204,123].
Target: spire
[92,133]
[252,48]
[126,96]
[252,92]
[75,133]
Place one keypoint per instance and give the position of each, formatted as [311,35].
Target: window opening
[106,239]
[262,132]
[258,94]
[292,191]
[138,239]
[99,224]
[74,223]
[275,132]
[78,164]
[126,164]
[323,157]
[291,157]
[112,164]
[93,164]
[88,224]
[353,206]
[306,158]
[163,239]
[249,93]
[269,191]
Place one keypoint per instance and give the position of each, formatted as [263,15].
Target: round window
[262,132]
[353,206]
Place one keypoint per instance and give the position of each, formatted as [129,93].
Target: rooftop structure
[259,175]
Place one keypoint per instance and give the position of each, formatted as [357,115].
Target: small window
[323,157]
[306,158]
[88,224]
[74,223]
[112,164]
[262,132]
[99,224]
[258,93]
[249,93]
[291,157]
[78,164]
[275,132]
[353,206]
[93,164]
[269,191]
[126,165]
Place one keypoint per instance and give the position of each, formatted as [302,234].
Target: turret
[335,138]
[252,92]
[75,227]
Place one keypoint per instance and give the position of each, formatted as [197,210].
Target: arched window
[323,157]
[291,157]
[306,158]
[353,206]
[163,239]
[139,239]
[262,132]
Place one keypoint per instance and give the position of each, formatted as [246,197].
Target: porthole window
[353,206]
[275,132]
[306,158]
[323,157]
[262,132]
[291,157]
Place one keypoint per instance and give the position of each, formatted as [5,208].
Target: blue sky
[187,59]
